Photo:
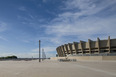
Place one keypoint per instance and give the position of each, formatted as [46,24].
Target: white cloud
[27,55]
[50,55]
[84,7]
[78,19]
[73,23]
[2,38]
[44,1]
[46,49]
[70,23]
[85,26]
[3,26]
[22,8]
[88,6]
[26,41]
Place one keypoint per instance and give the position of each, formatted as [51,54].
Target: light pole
[39,52]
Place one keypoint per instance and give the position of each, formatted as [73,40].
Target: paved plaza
[50,68]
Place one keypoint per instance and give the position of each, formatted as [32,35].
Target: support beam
[75,47]
[65,46]
[59,52]
[89,41]
[98,41]
[109,44]
[63,50]
[81,46]
[62,54]
[70,48]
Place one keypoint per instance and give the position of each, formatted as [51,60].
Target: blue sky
[54,22]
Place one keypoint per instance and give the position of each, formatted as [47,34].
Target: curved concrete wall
[92,58]
[90,47]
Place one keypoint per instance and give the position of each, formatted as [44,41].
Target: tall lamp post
[39,52]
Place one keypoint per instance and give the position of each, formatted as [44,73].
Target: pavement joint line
[97,70]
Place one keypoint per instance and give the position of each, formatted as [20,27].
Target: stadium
[91,48]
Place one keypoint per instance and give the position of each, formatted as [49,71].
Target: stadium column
[62,47]
[65,46]
[61,51]
[109,44]
[70,49]
[57,51]
[89,41]
[81,47]
[74,43]
[98,40]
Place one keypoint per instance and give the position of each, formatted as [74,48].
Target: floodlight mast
[39,52]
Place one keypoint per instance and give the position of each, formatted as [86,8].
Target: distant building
[87,48]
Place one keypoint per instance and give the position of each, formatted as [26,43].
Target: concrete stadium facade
[90,47]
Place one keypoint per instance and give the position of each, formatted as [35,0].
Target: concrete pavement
[49,68]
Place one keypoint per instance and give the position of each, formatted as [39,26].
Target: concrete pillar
[98,40]
[81,47]
[109,44]
[75,47]
[70,48]
[61,51]
[65,46]
[62,47]
[89,41]
[57,51]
